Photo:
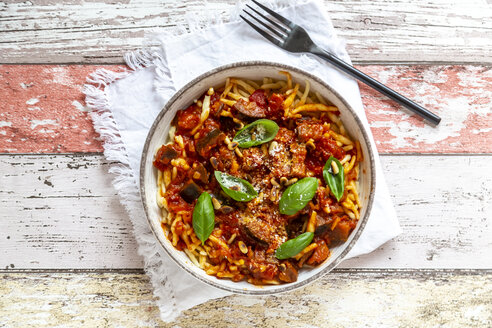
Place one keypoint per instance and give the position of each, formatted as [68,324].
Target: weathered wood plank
[408,299]
[62,211]
[53,215]
[460,95]
[101,31]
[45,110]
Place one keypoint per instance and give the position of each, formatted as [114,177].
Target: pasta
[246,235]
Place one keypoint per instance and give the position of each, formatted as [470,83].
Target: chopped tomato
[175,202]
[309,130]
[275,109]
[188,118]
[327,147]
[320,254]
[315,164]
[259,98]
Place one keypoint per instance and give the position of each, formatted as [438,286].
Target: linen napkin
[125,104]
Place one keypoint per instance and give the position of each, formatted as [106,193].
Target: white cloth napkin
[125,105]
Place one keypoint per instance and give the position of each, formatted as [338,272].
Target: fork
[293,38]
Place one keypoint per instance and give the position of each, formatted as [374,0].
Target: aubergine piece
[190,191]
[294,227]
[254,230]
[323,224]
[164,155]
[250,109]
[342,230]
[288,272]
[200,173]
[212,139]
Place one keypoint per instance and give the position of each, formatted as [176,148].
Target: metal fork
[294,38]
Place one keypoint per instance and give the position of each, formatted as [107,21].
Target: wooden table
[67,254]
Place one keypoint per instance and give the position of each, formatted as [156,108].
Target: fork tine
[274,14]
[281,28]
[269,28]
[263,33]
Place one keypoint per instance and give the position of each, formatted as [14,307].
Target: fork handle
[390,93]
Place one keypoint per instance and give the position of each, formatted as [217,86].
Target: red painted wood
[461,95]
[43,110]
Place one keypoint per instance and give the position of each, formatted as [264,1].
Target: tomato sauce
[258,223]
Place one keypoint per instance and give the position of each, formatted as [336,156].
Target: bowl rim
[362,221]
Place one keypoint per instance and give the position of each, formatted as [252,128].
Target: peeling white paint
[473,78]
[476,313]
[35,123]
[32,101]
[406,134]
[485,130]
[384,75]
[61,76]
[435,75]
[247,301]
[405,36]
[4,123]
[43,130]
[33,108]
[80,107]
[3,132]
[102,235]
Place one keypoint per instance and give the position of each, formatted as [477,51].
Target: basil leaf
[296,196]
[336,182]
[294,246]
[203,217]
[256,133]
[236,188]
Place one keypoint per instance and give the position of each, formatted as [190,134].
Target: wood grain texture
[43,109]
[101,31]
[460,95]
[60,212]
[45,112]
[340,299]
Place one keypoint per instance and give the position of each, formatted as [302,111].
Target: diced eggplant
[323,224]
[294,226]
[288,273]
[205,144]
[250,109]
[342,230]
[254,230]
[200,173]
[164,155]
[190,192]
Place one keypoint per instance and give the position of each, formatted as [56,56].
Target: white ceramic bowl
[254,70]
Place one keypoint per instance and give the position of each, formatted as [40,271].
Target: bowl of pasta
[257,177]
